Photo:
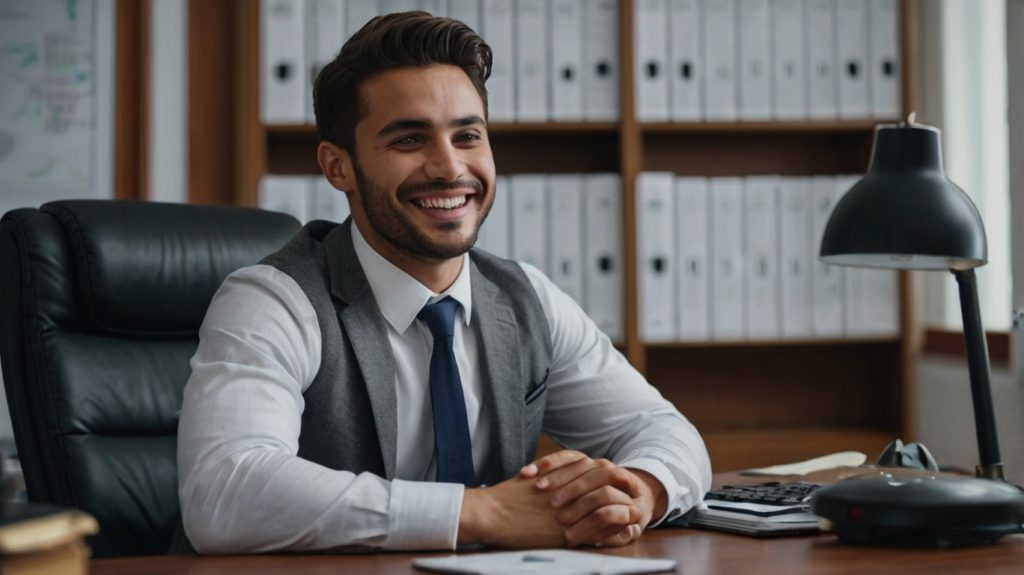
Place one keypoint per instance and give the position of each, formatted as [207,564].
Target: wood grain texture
[132,49]
[212,27]
[696,553]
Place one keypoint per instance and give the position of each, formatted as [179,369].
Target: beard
[398,229]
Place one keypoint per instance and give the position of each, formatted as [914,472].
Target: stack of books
[44,540]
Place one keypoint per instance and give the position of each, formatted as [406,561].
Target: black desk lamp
[905,214]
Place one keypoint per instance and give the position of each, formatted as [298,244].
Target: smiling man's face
[423,165]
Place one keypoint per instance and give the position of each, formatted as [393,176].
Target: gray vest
[350,420]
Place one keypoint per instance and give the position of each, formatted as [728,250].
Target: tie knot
[440,317]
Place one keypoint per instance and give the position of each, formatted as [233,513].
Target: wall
[945,419]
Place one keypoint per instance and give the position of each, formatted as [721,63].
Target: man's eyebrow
[403,124]
[467,121]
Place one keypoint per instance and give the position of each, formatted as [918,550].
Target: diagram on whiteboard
[47,95]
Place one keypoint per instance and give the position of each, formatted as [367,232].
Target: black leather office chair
[101,305]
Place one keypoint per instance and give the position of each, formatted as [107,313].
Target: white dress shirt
[244,489]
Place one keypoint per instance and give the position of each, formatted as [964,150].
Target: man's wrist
[471,517]
[655,492]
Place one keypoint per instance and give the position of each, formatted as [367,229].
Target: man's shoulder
[304,248]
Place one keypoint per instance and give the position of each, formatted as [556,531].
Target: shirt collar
[399,295]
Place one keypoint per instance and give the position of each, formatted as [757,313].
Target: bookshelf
[755,402]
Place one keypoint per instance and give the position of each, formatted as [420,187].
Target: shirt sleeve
[600,405]
[242,486]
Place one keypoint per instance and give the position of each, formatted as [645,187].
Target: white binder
[495,234]
[795,256]
[686,65]
[693,255]
[435,7]
[325,25]
[465,11]
[565,233]
[287,194]
[566,37]
[755,63]
[854,297]
[656,256]
[529,225]
[728,313]
[882,302]
[602,248]
[358,13]
[601,60]
[327,203]
[719,50]
[789,77]
[852,57]
[531,60]
[822,99]
[497,20]
[761,289]
[827,281]
[650,56]
[884,58]
[284,84]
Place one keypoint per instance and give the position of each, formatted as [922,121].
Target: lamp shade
[904,213]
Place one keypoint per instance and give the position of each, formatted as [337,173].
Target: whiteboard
[56,100]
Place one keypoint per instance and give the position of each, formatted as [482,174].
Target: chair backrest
[101,305]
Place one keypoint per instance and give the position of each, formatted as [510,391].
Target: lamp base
[920,511]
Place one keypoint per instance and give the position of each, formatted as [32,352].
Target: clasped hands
[564,499]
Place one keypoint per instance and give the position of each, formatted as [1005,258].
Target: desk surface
[697,553]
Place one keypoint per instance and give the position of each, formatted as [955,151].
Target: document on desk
[547,561]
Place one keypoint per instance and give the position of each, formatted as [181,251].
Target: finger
[590,502]
[628,535]
[602,472]
[598,526]
[571,467]
[552,461]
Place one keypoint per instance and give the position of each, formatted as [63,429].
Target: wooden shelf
[763,128]
[747,448]
[734,343]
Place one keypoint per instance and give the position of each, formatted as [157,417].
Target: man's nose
[444,163]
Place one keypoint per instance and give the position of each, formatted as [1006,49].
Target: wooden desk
[697,553]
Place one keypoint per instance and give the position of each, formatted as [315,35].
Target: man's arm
[600,405]
[241,484]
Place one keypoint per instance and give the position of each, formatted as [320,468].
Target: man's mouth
[441,203]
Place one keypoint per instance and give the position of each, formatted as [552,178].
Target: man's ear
[336,165]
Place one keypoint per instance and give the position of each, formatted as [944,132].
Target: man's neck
[436,275]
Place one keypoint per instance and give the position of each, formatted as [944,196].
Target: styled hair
[404,39]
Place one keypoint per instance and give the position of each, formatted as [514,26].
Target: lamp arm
[991,466]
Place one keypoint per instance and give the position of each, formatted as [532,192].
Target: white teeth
[442,203]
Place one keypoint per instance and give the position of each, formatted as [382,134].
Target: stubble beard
[397,229]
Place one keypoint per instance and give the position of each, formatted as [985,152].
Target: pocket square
[537,389]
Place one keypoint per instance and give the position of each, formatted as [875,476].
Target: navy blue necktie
[453,449]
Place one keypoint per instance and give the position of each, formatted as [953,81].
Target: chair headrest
[147,268]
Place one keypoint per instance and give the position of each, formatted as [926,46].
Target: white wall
[945,418]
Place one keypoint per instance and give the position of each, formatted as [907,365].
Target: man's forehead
[437,93]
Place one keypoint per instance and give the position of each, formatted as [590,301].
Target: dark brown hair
[387,42]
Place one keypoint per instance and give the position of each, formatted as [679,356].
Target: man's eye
[469,137]
[407,140]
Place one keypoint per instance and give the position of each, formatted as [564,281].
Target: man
[380,384]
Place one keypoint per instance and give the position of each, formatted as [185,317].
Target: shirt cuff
[668,482]
[424,515]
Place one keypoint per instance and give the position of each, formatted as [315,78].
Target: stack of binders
[731,259]
[759,60]
[553,59]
